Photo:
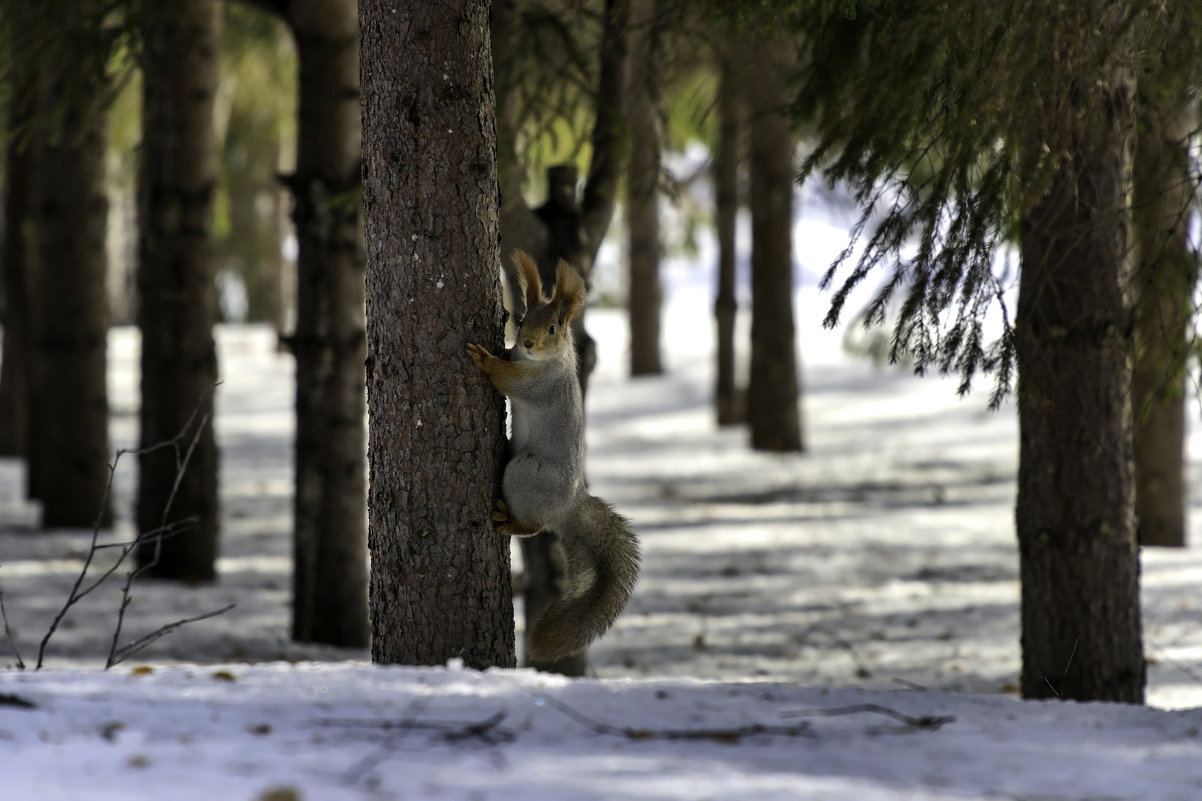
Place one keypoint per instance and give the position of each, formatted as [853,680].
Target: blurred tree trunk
[642,198]
[520,228]
[330,541]
[19,172]
[252,245]
[727,399]
[177,303]
[1075,518]
[773,392]
[565,227]
[440,585]
[69,442]
[1167,271]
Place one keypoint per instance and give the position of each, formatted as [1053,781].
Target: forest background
[1064,139]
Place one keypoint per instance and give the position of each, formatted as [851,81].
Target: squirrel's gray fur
[543,486]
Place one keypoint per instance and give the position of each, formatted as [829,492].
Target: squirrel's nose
[529,343]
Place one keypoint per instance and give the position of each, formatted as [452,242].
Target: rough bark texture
[773,393]
[1076,527]
[69,441]
[177,299]
[642,200]
[727,400]
[330,574]
[440,586]
[1167,271]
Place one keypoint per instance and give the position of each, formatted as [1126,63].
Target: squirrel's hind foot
[505,524]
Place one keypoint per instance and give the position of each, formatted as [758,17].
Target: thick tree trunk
[1167,271]
[727,400]
[642,202]
[520,228]
[440,586]
[177,304]
[256,212]
[1076,527]
[773,393]
[330,545]
[15,263]
[69,463]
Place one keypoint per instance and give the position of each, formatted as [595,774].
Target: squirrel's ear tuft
[532,285]
[569,292]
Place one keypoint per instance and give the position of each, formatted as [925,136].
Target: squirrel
[543,485]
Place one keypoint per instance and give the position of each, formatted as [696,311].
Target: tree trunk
[70,437]
[251,245]
[773,393]
[520,229]
[440,586]
[177,305]
[727,400]
[15,262]
[1167,271]
[330,544]
[1076,528]
[642,202]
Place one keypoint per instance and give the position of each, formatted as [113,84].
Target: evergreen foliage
[948,121]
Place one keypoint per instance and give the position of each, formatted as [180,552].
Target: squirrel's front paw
[479,354]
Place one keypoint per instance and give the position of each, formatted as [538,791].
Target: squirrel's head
[544,331]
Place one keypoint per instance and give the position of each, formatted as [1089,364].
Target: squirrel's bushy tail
[602,563]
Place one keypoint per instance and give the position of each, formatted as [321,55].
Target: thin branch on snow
[929,722]
[727,736]
[78,589]
[488,732]
[116,654]
[8,633]
[119,655]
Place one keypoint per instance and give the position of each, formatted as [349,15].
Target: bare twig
[1067,666]
[116,655]
[73,596]
[488,732]
[78,589]
[727,736]
[119,655]
[8,633]
[931,722]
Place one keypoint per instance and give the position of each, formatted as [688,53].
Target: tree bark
[1076,528]
[330,545]
[15,262]
[440,586]
[177,306]
[642,201]
[69,443]
[727,399]
[1167,271]
[773,392]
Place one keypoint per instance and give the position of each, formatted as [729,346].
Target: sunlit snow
[837,625]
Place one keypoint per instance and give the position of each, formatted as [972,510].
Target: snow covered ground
[837,625]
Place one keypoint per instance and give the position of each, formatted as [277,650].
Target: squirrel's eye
[551,330]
